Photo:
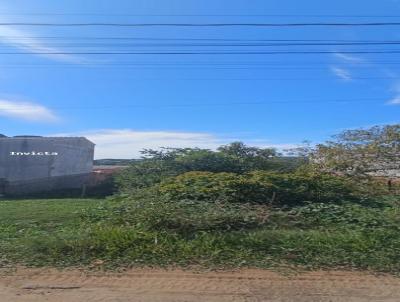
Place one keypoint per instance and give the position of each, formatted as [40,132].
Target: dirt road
[38,285]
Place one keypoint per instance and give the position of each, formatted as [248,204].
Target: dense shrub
[292,188]
[156,166]
[223,187]
[346,215]
[148,172]
[208,161]
[259,187]
[152,213]
[145,174]
[105,188]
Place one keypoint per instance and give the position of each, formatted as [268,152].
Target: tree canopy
[373,151]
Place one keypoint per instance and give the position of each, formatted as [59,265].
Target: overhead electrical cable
[197,15]
[103,24]
[303,101]
[278,15]
[19,37]
[174,52]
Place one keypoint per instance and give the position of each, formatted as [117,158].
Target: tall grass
[117,234]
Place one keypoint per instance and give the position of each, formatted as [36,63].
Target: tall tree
[362,152]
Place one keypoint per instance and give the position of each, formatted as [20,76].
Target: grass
[79,232]
[24,221]
[42,212]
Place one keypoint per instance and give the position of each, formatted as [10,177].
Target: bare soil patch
[150,285]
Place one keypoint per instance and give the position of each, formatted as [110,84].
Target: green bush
[259,187]
[146,230]
[297,187]
[346,215]
[152,213]
[145,174]
[172,162]
[157,165]
[223,187]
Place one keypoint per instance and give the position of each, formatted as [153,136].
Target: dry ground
[147,285]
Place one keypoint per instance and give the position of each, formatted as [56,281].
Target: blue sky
[128,102]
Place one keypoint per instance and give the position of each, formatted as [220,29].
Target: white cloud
[26,111]
[127,143]
[395,101]
[348,61]
[341,73]
[24,41]
[348,58]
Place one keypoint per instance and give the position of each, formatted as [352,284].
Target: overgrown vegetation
[125,233]
[238,158]
[261,187]
[361,152]
[237,206]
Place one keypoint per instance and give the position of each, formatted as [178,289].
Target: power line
[274,64]
[206,43]
[161,67]
[89,44]
[319,101]
[174,52]
[185,66]
[330,24]
[194,39]
[260,79]
[202,15]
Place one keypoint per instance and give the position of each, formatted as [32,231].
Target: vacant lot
[89,236]
[110,234]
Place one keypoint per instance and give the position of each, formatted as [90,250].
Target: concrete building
[31,164]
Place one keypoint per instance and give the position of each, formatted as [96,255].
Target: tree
[252,158]
[157,165]
[361,152]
